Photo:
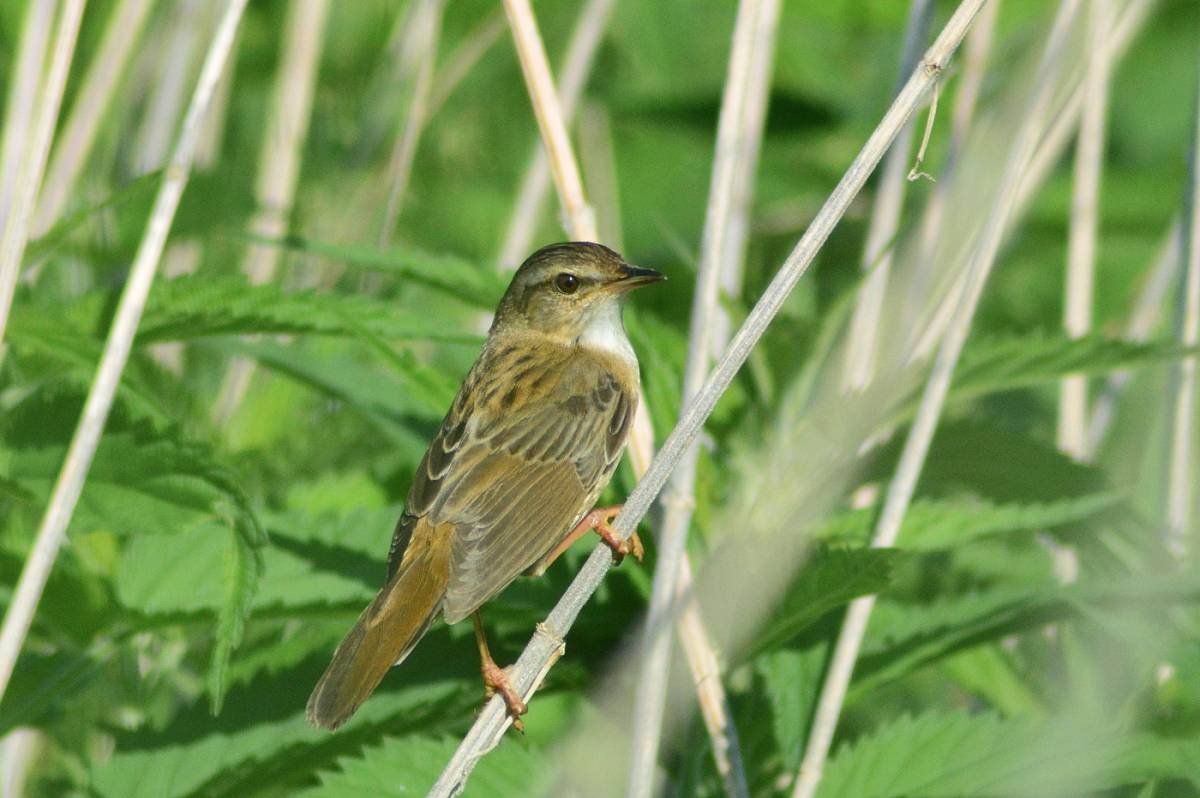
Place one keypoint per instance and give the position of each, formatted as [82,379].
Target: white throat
[604,332]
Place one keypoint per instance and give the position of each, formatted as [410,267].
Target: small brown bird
[532,438]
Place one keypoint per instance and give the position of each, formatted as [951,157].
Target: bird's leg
[598,521]
[495,678]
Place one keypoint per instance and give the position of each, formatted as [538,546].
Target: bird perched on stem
[508,483]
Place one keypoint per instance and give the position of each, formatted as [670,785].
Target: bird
[511,477]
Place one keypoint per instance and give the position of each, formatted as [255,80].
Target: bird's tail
[383,635]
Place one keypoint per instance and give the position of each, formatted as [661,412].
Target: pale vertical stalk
[23,91]
[1142,319]
[581,52]
[916,445]
[1044,159]
[100,397]
[212,129]
[173,69]
[1183,441]
[737,227]
[599,165]
[33,159]
[581,224]
[878,252]
[95,93]
[976,55]
[651,693]
[1081,246]
[428,30]
[547,643]
[278,169]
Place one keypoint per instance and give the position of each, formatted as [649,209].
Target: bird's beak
[635,276]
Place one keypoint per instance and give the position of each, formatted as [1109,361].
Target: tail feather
[382,636]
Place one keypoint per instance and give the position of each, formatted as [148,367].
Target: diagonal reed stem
[916,445]
[547,643]
[753,17]
[18,222]
[1081,245]
[22,96]
[79,133]
[879,252]
[100,397]
[1180,483]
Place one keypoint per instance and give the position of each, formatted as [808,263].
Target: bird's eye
[567,283]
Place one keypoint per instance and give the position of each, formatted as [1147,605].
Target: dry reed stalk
[69,484]
[1053,143]
[581,224]
[426,30]
[33,158]
[1180,485]
[23,91]
[1143,318]
[581,52]
[278,170]
[125,25]
[1085,202]
[599,164]
[878,253]
[170,70]
[976,55]
[753,16]
[547,643]
[916,445]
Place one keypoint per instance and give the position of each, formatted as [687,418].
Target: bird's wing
[511,471]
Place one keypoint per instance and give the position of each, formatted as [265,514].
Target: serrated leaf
[407,766]
[936,524]
[201,306]
[221,763]
[956,755]
[791,680]
[829,579]
[902,637]
[457,277]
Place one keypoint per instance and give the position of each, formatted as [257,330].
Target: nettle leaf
[139,485]
[958,754]
[455,276]
[902,637]
[385,397]
[791,680]
[937,524]
[326,559]
[227,763]
[1005,363]
[405,766]
[829,579]
[201,306]
[61,355]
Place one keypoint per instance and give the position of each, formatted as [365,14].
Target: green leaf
[226,763]
[829,579]
[937,524]
[455,276]
[1005,363]
[792,680]
[406,766]
[956,755]
[200,306]
[902,637]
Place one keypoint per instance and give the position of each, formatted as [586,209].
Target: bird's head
[570,291]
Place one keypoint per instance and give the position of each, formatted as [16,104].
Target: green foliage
[213,563]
